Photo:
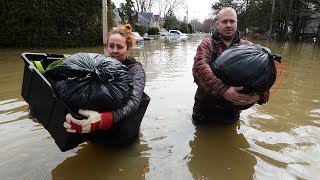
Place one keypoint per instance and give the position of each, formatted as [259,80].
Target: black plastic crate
[48,108]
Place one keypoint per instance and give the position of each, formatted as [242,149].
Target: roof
[144,18]
[147,15]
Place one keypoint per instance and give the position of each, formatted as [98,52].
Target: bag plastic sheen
[250,65]
[91,81]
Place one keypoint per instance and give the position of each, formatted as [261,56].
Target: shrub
[153,31]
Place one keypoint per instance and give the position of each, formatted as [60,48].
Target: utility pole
[104,21]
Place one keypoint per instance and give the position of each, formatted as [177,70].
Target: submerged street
[278,140]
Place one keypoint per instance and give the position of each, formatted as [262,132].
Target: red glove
[94,121]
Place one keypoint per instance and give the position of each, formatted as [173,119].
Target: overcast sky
[197,9]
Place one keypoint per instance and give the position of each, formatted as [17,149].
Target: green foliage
[170,20]
[153,31]
[183,27]
[127,13]
[247,16]
[190,28]
[33,23]
[110,15]
[216,7]
[255,15]
[139,29]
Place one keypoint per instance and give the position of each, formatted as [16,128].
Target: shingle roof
[147,15]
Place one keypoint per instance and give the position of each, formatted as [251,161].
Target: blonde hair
[125,31]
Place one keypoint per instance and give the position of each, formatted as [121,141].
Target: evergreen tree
[110,15]
[33,23]
[216,7]
[170,20]
[127,13]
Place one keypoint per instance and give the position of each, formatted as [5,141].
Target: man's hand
[253,98]
[95,120]
[232,94]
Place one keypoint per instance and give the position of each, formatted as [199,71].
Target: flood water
[278,140]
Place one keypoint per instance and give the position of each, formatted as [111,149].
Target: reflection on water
[96,162]
[278,140]
[221,153]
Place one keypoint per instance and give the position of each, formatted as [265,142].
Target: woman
[115,127]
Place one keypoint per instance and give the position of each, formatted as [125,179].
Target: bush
[153,31]
[138,29]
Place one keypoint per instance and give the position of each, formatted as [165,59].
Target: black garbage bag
[250,65]
[91,81]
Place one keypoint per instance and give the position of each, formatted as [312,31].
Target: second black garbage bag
[251,66]
[91,81]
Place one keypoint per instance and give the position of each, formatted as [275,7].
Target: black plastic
[91,81]
[47,107]
[249,65]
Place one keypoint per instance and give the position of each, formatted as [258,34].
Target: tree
[282,16]
[301,14]
[317,9]
[170,20]
[208,25]
[166,5]
[271,20]
[127,12]
[48,23]
[196,24]
[144,5]
[110,15]
[216,7]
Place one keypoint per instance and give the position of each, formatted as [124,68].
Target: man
[207,106]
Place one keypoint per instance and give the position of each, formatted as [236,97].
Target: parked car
[171,33]
[139,39]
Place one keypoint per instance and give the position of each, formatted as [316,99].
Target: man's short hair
[224,8]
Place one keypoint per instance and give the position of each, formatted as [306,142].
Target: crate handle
[30,68]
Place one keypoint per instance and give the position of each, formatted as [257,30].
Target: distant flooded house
[147,20]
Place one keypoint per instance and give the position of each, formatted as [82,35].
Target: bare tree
[144,5]
[208,25]
[165,5]
[196,24]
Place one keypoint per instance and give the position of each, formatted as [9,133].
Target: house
[147,20]
[159,20]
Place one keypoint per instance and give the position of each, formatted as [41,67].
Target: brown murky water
[278,140]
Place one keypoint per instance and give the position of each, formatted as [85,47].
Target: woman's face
[117,47]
